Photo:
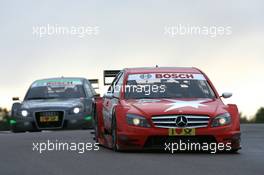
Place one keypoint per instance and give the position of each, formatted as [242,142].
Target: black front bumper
[66,121]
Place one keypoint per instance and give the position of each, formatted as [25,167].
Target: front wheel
[234,151]
[96,130]
[114,135]
[15,129]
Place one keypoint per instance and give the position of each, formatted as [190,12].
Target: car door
[111,99]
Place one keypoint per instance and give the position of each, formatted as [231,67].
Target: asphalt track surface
[18,158]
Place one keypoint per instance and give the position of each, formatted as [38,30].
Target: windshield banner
[156,76]
[57,82]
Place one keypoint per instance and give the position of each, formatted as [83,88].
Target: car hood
[151,107]
[48,103]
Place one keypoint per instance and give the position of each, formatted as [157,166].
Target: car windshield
[167,85]
[57,88]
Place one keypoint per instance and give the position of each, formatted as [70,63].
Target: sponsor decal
[57,82]
[147,101]
[181,104]
[181,131]
[175,75]
[170,76]
[145,76]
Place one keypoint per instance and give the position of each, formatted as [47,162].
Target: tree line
[4,116]
[257,118]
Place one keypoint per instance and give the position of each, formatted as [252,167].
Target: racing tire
[15,130]
[35,130]
[96,131]
[114,135]
[234,151]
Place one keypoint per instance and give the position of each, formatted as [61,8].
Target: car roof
[56,78]
[162,70]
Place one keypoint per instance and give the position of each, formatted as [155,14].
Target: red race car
[165,108]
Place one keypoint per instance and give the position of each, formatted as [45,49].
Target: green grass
[4,126]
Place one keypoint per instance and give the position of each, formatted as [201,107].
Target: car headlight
[137,120]
[76,110]
[221,120]
[24,113]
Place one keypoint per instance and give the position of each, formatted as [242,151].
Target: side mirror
[15,98]
[226,95]
[108,95]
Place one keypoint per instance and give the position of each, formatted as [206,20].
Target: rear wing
[94,83]
[110,74]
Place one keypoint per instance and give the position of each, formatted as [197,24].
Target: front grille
[49,124]
[169,121]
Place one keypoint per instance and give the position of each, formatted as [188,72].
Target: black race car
[56,103]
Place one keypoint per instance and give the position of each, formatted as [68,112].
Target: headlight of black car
[137,120]
[221,120]
[76,110]
[24,112]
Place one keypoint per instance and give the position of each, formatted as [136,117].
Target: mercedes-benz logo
[181,121]
[145,76]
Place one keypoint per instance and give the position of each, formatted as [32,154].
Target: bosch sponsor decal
[179,76]
[157,76]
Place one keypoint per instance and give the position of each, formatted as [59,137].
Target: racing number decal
[181,132]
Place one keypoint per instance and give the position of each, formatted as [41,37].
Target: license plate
[181,131]
[49,118]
